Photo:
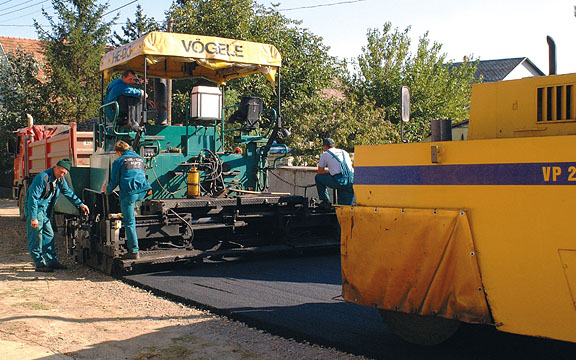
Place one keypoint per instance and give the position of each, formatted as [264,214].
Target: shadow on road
[195,341]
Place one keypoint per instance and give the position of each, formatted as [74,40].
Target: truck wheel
[21,199]
[420,330]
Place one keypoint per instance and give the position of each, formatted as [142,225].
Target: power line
[123,6]
[21,16]
[35,12]
[26,7]
[322,5]
[13,6]
[22,25]
[38,11]
[28,14]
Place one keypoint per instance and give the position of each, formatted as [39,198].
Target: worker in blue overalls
[334,171]
[128,173]
[41,197]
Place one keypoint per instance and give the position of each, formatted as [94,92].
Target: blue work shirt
[128,172]
[43,194]
[116,88]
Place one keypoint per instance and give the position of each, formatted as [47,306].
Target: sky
[488,29]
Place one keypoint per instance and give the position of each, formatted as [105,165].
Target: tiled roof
[10,44]
[497,70]
[334,91]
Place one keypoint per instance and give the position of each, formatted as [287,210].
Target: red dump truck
[39,147]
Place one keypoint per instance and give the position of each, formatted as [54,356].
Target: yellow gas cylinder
[193,182]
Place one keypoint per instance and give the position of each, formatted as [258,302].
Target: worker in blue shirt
[128,173]
[334,171]
[123,86]
[41,197]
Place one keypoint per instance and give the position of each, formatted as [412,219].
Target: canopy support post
[279,120]
[222,115]
[145,107]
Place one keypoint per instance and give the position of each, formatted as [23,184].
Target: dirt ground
[82,314]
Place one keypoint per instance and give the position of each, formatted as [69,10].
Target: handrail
[262,160]
[275,118]
[117,112]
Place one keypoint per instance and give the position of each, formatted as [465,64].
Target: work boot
[43,268]
[58,266]
[131,256]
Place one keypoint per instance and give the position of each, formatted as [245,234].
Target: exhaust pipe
[441,130]
[551,56]
[160,96]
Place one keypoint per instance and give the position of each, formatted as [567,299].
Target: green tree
[21,92]
[140,26]
[306,66]
[438,89]
[345,120]
[74,44]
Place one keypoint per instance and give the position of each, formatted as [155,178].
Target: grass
[183,347]
[34,306]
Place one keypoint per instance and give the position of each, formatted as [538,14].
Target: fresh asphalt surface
[299,297]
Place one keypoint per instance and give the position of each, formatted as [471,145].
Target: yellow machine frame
[481,230]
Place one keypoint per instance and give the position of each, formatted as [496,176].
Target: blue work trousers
[127,204]
[345,193]
[41,241]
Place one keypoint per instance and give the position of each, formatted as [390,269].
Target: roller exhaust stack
[551,55]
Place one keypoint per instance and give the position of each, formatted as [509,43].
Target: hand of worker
[104,186]
[85,209]
[34,223]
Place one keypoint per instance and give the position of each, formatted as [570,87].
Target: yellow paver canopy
[177,56]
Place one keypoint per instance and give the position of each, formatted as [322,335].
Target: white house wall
[521,71]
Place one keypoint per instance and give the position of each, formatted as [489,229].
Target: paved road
[298,297]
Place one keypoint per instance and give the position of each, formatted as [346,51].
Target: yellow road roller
[477,231]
